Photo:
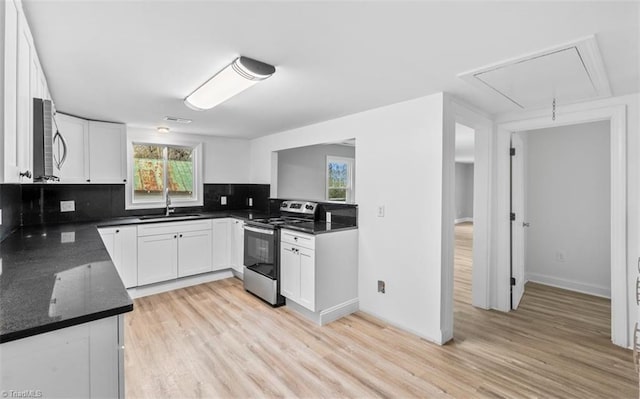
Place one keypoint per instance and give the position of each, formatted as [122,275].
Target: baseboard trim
[326,316]
[438,338]
[339,311]
[152,289]
[589,289]
[462,220]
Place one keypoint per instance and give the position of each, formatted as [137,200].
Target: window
[154,168]
[339,179]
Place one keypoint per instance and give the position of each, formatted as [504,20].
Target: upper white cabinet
[23,80]
[107,155]
[95,151]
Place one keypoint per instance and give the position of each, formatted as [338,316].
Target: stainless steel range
[262,249]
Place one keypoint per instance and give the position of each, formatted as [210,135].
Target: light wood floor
[215,340]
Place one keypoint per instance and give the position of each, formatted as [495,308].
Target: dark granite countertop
[318,227]
[180,217]
[53,277]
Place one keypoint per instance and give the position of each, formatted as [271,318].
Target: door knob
[526,224]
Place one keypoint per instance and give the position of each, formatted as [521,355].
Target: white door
[220,240]
[289,272]
[194,253]
[307,279]
[517,224]
[157,258]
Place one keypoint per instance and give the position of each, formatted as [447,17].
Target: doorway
[560,203]
[571,115]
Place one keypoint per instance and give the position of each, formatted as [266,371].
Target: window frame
[176,202]
[350,186]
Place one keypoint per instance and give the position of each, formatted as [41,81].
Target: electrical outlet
[69,236]
[223,200]
[250,201]
[381,286]
[561,256]
[380,211]
[328,217]
[67,206]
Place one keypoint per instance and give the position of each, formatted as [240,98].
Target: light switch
[381,211]
[66,237]
[250,201]
[67,206]
[223,200]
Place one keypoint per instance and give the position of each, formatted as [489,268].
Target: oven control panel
[305,207]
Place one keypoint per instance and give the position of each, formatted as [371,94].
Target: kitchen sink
[171,216]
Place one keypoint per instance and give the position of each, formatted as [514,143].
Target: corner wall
[399,166]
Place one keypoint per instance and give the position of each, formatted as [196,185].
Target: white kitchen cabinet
[107,152]
[95,151]
[237,246]
[194,253]
[170,250]
[220,241]
[297,267]
[75,132]
[81,361]
[121,243]
[319,273]
[157,258]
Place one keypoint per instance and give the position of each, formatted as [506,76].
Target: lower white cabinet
[221,243]
[297,268]
[81,361]
[121,244]
[194,253]
[236,260]
[157,258]
[170,250]
[319,272]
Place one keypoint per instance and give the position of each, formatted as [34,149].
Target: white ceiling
[465,144]
[134,61]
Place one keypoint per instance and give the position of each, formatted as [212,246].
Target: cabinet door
[127,255]
[237,245]
[157,258]
[108,236]
[12,168]
[289,272]
[106,152]
[76,135]
[194,253]
[307,279]
[220,241]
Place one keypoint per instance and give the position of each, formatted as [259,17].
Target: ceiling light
[163,129]
[238,76]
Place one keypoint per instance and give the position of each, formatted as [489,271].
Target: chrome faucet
[168,210]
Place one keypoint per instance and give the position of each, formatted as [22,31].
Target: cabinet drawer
[173,227]
[300,239]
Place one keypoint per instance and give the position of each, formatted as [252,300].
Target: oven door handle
[258,230]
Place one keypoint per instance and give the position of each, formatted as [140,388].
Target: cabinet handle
[117,231]
[295,238]
[175,236]
[88,180]
[637,290]
[124,180]
[180,235]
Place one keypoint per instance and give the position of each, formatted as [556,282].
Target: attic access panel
[569,73]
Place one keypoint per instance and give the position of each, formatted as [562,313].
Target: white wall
[464,191]
[2,78]
[225,160]
[302,172]
[400,143]
[568,206]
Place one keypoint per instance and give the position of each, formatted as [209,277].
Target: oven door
[260,250]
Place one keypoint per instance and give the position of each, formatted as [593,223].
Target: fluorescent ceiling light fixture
[238,76]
